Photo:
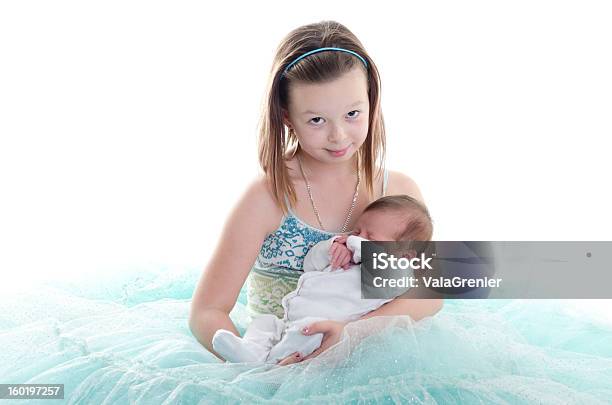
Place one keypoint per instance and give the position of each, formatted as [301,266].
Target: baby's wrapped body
[322,293]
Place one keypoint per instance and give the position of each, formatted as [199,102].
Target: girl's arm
[414,306]
[252,219]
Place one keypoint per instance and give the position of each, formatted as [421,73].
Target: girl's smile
[338,152]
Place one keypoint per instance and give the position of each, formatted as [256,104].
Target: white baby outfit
[321,294]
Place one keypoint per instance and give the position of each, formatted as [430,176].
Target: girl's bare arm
[251,220]
[411,305]
[414,306]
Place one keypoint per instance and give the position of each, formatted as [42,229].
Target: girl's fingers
[317,327]
[294,358]
[314,354]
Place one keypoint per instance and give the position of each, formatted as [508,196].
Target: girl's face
[331,119]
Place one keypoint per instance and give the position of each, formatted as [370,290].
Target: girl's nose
[337,135]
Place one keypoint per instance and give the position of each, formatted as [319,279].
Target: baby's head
[395,218]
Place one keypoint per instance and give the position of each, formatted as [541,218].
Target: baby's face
[378,225]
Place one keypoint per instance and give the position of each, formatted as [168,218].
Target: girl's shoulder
[258,201]
[400,183]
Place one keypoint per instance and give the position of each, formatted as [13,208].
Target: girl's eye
[350,116]
[316,118]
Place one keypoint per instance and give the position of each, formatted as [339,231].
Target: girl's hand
[332,331]
[340,255]
[292,358]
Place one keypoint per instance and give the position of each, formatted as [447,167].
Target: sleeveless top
[280,262]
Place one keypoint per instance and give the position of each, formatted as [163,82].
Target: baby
[330,288]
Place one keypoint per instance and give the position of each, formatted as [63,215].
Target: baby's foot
[236,350]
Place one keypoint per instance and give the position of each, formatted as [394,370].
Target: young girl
[322,149]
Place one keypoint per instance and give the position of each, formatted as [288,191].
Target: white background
[128,129]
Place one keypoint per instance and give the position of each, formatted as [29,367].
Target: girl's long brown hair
[274,139]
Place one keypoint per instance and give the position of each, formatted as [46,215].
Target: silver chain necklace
[314,207]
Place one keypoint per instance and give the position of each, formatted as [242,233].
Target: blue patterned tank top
[280,262]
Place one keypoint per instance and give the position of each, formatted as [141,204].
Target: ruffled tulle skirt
[126,340]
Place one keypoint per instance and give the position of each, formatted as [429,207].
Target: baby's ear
[411,254]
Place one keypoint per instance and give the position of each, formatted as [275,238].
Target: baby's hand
[341,239]
[340,254]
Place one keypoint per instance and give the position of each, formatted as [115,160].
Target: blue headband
[325,49]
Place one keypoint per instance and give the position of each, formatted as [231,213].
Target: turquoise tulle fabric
[125,339]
